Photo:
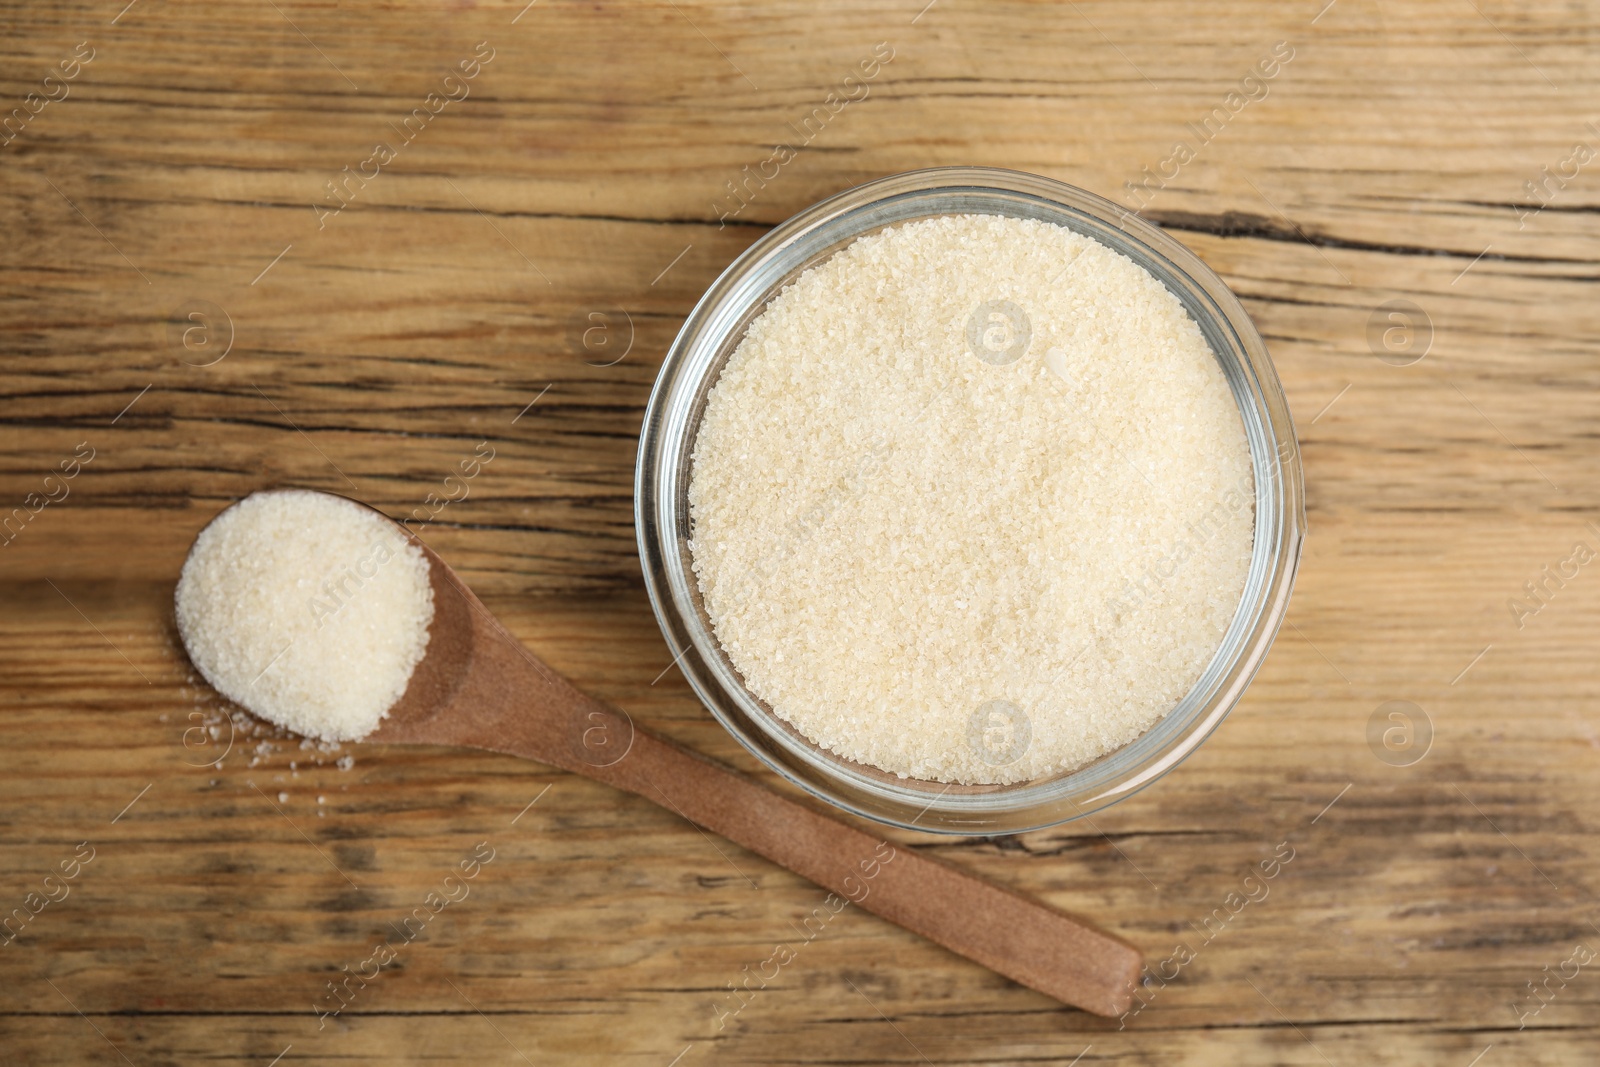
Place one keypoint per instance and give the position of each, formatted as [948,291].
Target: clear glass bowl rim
[710,334]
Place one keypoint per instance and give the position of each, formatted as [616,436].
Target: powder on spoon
[308,609]
[972,501]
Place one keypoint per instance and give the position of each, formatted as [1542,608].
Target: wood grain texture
[585,173]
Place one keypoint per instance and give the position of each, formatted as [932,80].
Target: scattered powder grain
[972,501]
[309,609]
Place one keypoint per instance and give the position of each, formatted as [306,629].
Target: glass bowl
[661,510]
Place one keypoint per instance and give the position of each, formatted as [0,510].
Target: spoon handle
[1039,946]
[481,687]
[1025,940]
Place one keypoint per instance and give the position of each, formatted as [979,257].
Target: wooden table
[213,282]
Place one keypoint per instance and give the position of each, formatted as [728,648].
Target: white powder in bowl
[308,609]
[972,501]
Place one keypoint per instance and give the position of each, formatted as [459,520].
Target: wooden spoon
[478,686]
